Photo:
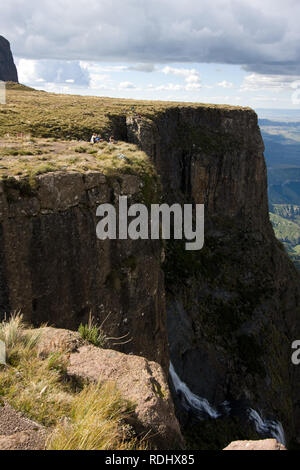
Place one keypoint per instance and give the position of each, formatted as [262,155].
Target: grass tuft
[96,421]
[17,342]
[93,334]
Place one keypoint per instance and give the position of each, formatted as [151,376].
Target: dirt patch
[18,432]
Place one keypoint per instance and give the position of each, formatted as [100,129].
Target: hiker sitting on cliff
[112,140]
[93,138]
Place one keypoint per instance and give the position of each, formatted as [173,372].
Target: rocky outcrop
[267,444]
[234,307]
[8,70]
[53,340]
[143,383]
[56,271]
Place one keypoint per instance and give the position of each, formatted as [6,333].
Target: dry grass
[34,386]
[41,114]
[80,416]
[22,157]
[96,422]
[16,341]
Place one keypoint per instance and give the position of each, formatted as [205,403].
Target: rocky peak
[8,70]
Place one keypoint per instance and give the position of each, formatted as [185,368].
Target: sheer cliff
[233,308]
[55,270]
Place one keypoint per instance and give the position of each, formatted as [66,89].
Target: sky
[243,52]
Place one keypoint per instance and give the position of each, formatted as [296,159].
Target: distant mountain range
[281,133]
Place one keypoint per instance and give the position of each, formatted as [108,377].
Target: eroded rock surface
[266,444]
[55,270]
[234,307]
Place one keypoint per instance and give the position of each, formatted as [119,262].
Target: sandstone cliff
[8,70]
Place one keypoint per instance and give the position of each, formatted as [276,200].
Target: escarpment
[55,270]
[234,307]
[8,70]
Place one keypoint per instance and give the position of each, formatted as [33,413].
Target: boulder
[52,340]
[265,444]
[140,381]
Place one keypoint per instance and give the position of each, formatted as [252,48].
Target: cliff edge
[234,307]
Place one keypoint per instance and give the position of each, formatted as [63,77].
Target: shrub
[81,150]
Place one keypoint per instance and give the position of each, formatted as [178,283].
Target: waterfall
[192,401]
[267,427]
[200,406]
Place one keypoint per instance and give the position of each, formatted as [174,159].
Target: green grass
[93,334]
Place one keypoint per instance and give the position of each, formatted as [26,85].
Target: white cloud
[167,87]
[127,86]
[275,83]
[189,75]
[193,86]
[225,84]
[52,71]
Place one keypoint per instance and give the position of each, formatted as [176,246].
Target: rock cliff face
[8,70]
[55,270]
[234,307]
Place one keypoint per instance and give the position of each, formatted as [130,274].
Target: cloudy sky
[223,51]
